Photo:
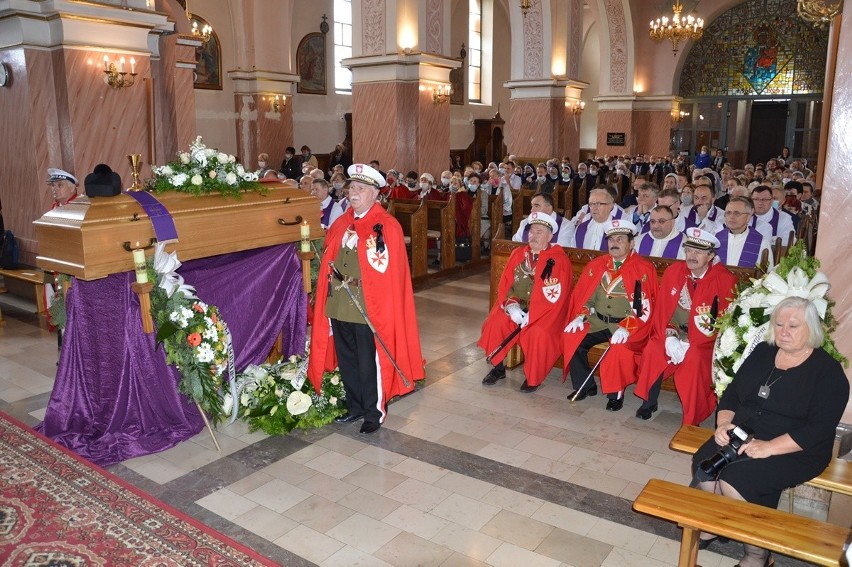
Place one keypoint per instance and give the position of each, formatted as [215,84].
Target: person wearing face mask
[446,176]
[528,175]
[264,172]
[543,182]
[780,222]
[308,157]
[703,158]
[595,173]
[428,189]
[395,188]
[566,165]
[581,186]
[291,167]
[337,182]
[411,182]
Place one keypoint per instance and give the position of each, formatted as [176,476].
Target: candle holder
[306,268]
[135,162]
[116,77]
[143,290]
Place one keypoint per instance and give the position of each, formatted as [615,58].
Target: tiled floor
[459,475]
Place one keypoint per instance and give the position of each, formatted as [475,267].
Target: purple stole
[751,249]
[344,204]
[691,219]
[580,237]
[525,236]
[773,222]
[646,243]
[326,214]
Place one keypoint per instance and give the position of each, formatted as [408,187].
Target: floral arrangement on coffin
[203,170]
[744,324]
[193,334]
[277,398]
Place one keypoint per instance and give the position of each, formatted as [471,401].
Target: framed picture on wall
[208,60]
[310,62]
[457,85]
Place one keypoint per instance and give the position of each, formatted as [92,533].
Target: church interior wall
[590,70]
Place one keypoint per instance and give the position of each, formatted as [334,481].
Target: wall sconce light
[277,102]
[441,94]
[115,75]
[677,117]
[578,107]
[525,6]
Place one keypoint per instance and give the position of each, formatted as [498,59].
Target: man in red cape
[604,308]
[366,246]
[533,293]
[693,293]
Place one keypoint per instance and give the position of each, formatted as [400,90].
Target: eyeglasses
[734,214]
[767,200]
[598,204]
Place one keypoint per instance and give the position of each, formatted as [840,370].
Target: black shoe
[348,418]
[705,543]
[370,427]
[614,405]
[645,413]
[494,375]
[527,389]
[590,391]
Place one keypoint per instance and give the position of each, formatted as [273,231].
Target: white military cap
[619,226]
[701,239]
[365,174]
[54,174]
[542,218]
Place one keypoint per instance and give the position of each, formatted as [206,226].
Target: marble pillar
[645,122]
[542,123]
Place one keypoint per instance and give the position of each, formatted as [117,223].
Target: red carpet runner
[58,509]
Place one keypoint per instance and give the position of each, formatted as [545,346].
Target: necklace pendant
[764,391]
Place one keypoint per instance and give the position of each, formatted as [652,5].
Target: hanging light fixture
[677,28]
[819,12]
[525,6]
[202,33]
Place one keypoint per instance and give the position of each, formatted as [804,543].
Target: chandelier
[819,12]
[202,33]
[677,28]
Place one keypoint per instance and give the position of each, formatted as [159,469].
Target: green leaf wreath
[745,322]
[277,398]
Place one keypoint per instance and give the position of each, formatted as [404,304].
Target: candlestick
[121,65]
[106,63]
[141,266]
[132,66]
[143,290]
[305,233]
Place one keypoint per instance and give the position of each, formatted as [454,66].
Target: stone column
[645,121]
[542,121]
[57,110]
[395,117]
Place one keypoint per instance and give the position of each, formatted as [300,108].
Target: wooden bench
[495,217]
[474,225]
[696,511]
[411,214]
[521,206]
[837,477]
[441,226]
[502,249]
[33,276]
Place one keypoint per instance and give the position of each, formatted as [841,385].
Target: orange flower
[213,317]
[194,339]
[198,308]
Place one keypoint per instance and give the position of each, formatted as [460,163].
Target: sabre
[580,389]
[343,283]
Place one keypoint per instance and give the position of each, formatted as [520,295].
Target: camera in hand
[710,468]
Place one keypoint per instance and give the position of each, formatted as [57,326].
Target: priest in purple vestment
[741,245]
[664,239]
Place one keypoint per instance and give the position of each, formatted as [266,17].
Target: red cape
[388,298]
[692,377]
[547,307]
[619,366]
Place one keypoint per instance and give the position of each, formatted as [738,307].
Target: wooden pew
[521,206]
[837,477]
[502,249]
[441,226]
[559,195]
[696,511]
[474,224]
[33,276]
[411,214]
[495,216]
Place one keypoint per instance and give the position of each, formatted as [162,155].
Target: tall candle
[140,266]
[121,65]
[132,66]
[305,231]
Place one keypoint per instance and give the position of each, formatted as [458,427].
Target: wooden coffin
[86,238]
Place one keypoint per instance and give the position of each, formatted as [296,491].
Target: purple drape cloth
[115,397]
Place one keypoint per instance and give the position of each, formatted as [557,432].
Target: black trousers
[356,358]
[579,365]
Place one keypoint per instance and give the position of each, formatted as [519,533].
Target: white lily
[166,265]
[797,284]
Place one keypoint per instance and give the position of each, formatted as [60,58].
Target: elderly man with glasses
[780,222]
[590,232]
[739,244]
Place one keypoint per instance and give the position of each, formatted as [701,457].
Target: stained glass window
[761,47]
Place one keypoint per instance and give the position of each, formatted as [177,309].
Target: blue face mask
[776,205]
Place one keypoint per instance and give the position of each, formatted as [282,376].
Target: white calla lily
[797,284]
[167,264]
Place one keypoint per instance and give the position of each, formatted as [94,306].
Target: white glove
[576,325]
[619,336]
[517,315]
[676,349]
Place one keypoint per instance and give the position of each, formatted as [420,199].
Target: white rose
[222,157]
[728,342]
[196,179]
[231,179]
[211,174]
[185,157]
[167,170]
[240,169]
[332,400]
[227,403]
[744,320]
[180,180]
[298,403]
[232,159]
[335,380]
[209,152]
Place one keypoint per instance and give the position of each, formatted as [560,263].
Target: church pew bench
[411,214]
[696,511]
[502,249]
[521,206]
[441,226]
[474,225]
[559,193]
[837,477]
[33,276]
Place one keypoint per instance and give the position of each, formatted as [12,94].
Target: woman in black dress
[792,394]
